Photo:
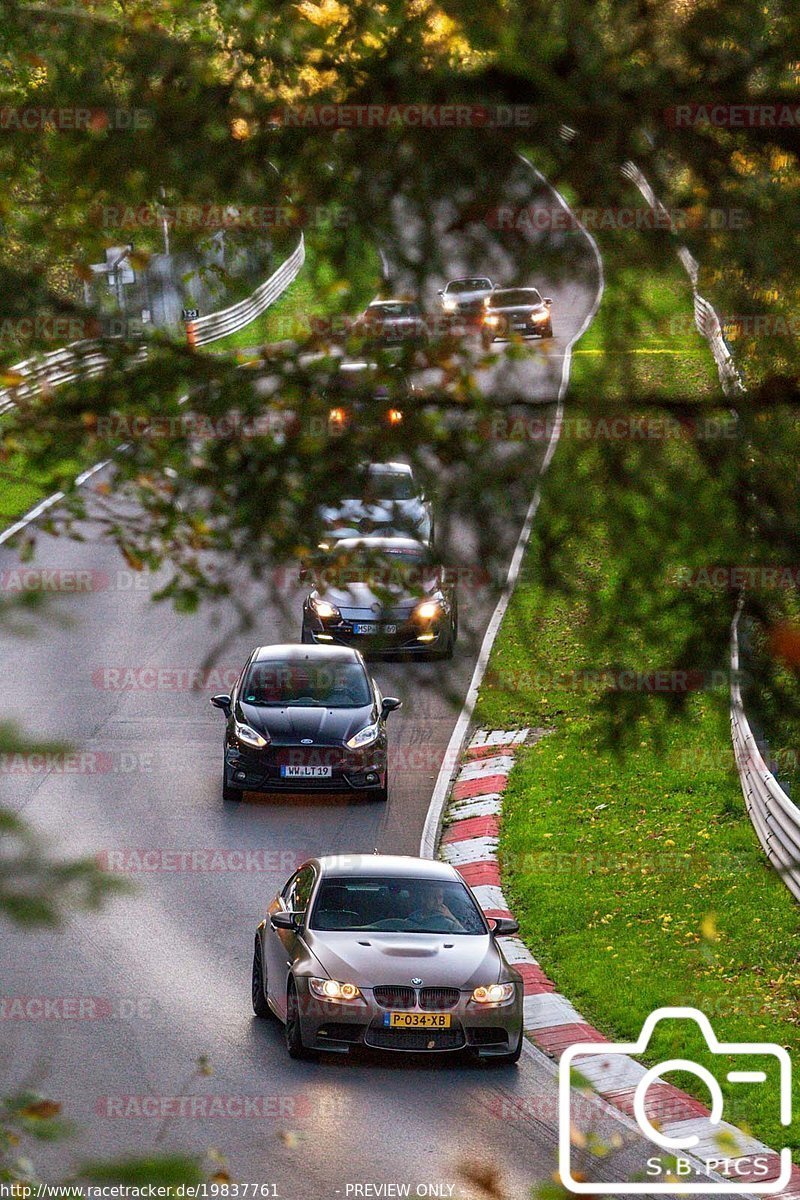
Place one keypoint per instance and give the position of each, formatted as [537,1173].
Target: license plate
[412,1020]
[305,772]
[373,628]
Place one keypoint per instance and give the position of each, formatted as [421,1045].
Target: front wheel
[305,637]
[260,1006]
[450,644]
[548,332]
[229,792]
[293,1030]
[379,795]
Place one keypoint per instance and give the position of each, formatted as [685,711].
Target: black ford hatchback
[305,718]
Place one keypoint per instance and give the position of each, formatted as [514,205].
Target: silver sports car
[386,952]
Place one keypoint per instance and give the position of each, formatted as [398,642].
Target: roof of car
[389,468]
[391,300]
[397,544]
[470,279]
[505,291]
[297,652]
[387,865]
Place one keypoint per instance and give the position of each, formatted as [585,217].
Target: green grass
[21,487]
[636,876]
[317,292]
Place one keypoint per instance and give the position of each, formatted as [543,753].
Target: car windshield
[306,684]
[521,296]
[467,285]
[389,485]
[386,905]
[395,308]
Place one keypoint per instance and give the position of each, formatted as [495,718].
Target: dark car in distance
[391,502]
[383,594]
[361,392]
[465,297]
[517,311]
[392,322]
[305,718]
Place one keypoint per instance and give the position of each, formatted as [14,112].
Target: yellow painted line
[682,353]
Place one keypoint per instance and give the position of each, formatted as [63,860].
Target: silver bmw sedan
[386,952]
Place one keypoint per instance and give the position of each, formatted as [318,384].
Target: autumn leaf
[41,1110]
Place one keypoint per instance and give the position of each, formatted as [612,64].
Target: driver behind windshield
[432,908]
[396,906]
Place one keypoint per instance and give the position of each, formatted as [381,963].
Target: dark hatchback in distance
[383,594]
[522,311]
[305,718]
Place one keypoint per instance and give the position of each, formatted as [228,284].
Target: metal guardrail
[237,316]
[78,360]
[775,818]
[85,359]
[705,317]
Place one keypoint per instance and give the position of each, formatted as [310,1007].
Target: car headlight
[491,319]
[336,416]
[539,316]
[427,610]
[449,304]
[332,989]
[323,608]
[394,416]
[493,993]
[250,737]
[365,736]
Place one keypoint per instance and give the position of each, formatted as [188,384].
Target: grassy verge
[316,292]
[635,872]
[21,486]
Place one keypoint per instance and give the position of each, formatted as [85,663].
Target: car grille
[430,999]
[395,996]
[415,1039]
[433,999]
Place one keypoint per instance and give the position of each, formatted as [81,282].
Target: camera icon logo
[609,1067]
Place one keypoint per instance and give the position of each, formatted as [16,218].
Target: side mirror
[503,926]
[440,291]
[223,702]
[390,704]
[548,301]
[285,920]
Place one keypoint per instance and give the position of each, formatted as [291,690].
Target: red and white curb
[469,842]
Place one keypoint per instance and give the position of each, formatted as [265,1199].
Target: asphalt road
[168,967]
